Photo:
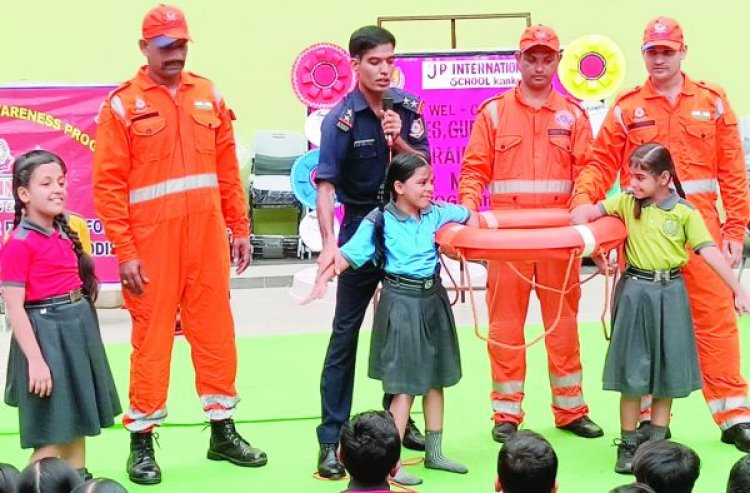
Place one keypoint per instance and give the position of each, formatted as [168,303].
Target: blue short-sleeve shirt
[353,149]
[410,248]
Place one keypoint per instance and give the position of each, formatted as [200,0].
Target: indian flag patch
[203,105]
[701,115]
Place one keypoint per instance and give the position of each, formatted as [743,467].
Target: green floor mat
[278,382]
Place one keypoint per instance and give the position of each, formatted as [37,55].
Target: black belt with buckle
[653,275]
[411,283]
[63,299]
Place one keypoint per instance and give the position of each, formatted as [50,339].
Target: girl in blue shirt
[414,348]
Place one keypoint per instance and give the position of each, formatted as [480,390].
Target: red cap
[663,31]
[539,35]
[166,23]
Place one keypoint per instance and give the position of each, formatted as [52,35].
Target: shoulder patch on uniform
[116,104]
[346,121]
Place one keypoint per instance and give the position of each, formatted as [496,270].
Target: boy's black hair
[370,447]
[527,463]
[8,478]
[739,476]
[368,37]
[48,474]
[666,466]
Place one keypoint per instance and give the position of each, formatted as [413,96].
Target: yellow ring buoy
[592,67]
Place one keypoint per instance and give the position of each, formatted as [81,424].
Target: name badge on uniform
[363,143]
[203,105]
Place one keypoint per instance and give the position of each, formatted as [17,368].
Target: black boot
[227,444]
[329,466]
[141,466]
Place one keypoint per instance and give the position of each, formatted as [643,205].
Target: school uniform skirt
[84,399]
[414,346]
[652,350]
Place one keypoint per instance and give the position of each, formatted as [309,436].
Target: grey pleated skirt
[84,399]
[652,350]
[414,346]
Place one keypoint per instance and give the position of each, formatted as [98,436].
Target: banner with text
[60,120]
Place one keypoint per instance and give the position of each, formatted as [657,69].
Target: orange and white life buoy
[528,235]
[541,234]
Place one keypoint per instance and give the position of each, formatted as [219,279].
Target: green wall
[247,47]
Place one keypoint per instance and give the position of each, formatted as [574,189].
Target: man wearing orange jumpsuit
[694,120]
[526,147]
[166,186]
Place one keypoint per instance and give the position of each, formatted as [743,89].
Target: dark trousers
[353,294]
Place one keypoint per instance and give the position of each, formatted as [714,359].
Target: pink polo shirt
[39,260]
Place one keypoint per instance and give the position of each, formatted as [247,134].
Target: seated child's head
[633,488]
[739,476]
[668,467]
[8,478]
[370,447]
[48,474]
[100,485]
[527,464]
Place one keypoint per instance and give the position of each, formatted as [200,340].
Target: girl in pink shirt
[58,374]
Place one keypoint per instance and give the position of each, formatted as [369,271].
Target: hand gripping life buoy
[321,75]
[592,67]
[534,234]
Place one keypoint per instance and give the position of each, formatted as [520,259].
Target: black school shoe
[625,455]
[329,466]
[584,427]
[413,438]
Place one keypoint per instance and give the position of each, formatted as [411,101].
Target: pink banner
[61,120]
[453,86]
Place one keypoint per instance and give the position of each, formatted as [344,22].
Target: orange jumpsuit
[701,132]
[166,186]
[528,158]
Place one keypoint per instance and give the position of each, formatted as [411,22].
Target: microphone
[388,105]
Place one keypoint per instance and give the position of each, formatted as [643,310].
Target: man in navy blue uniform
[358,137]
